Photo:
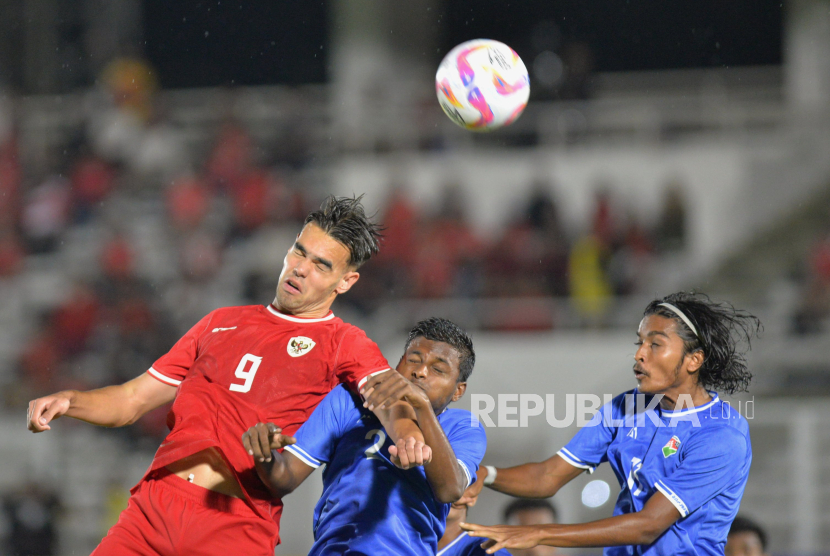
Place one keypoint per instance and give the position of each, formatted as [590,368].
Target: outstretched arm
[444,473]
[281,472]
[111,406]
[640,528]
[529,480]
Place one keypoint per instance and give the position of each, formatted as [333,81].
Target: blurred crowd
[813,309]
[438,254]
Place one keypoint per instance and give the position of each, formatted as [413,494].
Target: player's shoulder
[227,318]
[722,427]
[723,415]
[348,331]
[460,420]
[236,311]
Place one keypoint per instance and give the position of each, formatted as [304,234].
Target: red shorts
[169,516]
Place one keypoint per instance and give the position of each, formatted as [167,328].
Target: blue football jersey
[697,457]
[368,505]
[465,545]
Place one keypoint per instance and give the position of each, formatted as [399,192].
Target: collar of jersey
[454,541]
[292,318]
[715,399]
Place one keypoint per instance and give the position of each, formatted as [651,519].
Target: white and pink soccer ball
[482,85]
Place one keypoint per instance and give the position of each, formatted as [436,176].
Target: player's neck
[451,532]
[305,312]
[678,399]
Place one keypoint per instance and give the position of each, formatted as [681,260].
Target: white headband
[685,319]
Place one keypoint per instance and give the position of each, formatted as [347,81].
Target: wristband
[491,475]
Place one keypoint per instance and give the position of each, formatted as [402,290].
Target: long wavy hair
[725,337]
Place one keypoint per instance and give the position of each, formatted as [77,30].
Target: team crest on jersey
[300,345]
[671,447]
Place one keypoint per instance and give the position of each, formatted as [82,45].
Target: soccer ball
[482,85]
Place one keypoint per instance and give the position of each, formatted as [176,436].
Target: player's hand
[383,390]
[44,410]
[410,452]
[260,439]
[504,536]
[470,496]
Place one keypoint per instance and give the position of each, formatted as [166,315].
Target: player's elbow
[280,491]
[648,532]
[450,493]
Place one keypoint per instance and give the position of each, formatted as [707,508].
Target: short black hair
[443,330]
[724,336]
[522,504]
[345,220]
[743,524]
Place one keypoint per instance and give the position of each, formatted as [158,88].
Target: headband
[683,317]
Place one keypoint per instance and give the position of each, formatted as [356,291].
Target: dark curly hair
[345,220]
[743,524]
[725,335]
[443,330]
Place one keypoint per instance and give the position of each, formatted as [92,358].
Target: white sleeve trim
[575,461]
[673,498]
[454,541]
[367,377]
[466,473]
[303,456]
[163,378]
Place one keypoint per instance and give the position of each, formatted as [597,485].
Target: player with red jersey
[236,367]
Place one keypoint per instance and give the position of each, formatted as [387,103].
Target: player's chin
[287,300]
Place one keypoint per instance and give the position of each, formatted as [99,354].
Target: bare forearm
[400,422]
[111,406]
[444,473]
[276,475]
[623,530]
[529,480]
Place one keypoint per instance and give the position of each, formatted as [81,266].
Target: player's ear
[460,388]
[695,361]
[347,282]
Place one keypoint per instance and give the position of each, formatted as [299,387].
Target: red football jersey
[243,365]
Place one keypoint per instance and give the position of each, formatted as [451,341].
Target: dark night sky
[194,43]
[253,42]
[629,34]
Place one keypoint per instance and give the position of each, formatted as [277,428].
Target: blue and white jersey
[697,457]
[368,505]
[465,545]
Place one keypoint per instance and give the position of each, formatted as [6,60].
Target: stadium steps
[779,253]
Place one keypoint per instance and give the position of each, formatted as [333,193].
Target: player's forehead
[533,516]
[318,243]
[434,350]
[657,325]
[744,542]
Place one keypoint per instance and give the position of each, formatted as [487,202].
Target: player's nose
[301,269]
[419,372]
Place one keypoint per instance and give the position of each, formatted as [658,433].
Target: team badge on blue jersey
[300,345]
[671,447]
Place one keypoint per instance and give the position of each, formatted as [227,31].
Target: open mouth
[291,286]
[638,374]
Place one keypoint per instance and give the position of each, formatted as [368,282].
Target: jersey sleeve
[172,367]
[469,444]
[358,359]
[712,461]
[318,436]
[589,447]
